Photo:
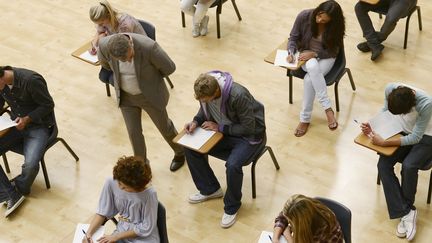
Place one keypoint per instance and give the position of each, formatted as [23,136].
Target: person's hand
[366,128]
[190,127]
[376,139]
[288,234]
[22,122]
[87,239]
[211,126]
[108,239]
[306,55]
[290,58]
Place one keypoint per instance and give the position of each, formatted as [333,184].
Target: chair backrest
[149,29]
[217,2]
[338,68]
[161,223]
[343,215]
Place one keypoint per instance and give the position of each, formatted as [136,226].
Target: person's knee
[384,165]
[233,168]
[312,66]
[186,7]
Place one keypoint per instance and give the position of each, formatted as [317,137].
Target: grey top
[137,210]
[417,122]
[214,106]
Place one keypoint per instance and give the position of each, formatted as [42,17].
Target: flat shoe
[300,132]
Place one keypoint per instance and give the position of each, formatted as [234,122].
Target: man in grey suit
[139,65]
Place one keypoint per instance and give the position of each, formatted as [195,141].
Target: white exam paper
[6,122]
[79,234]
[264,238]
[197,139]
[385,124]
[281,59]
[89,57]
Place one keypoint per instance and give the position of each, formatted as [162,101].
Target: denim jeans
[400,197]
[7,191]
[32,144]
[235,151]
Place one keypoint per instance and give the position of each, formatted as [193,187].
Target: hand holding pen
[86,239]
[290,57]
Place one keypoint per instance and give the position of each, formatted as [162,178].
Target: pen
[270,238]
[85,235]
[357,121]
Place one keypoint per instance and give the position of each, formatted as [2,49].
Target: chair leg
[45,173]
[253,179]
[351,79]
[406,31]
[236,10]
[218,11]
[68,148]
[183,19]
[419,18]
[290,87]
[169,82]
[378,180]
[380,16]
[429,191]
[108,89]
[5,162]
[275,162]
[337,94]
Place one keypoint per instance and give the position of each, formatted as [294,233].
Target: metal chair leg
[337,94]
[275,162]
[236,10]
[351,79]
[45,173]
[378,180]
[406,30]
[419,18]
[290,87]
[253,179]
[169,82]
[218,12]
[183,20]
[429,191]
[108,89]
[68,148]
[5,162]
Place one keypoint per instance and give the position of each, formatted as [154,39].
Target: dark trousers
[396,9]
[7,191]
[236,152]
[400,196]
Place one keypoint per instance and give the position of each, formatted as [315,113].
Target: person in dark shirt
[32,108]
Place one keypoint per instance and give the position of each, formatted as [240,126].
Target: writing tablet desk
[3,132]
[365,141]
[77,53]
[205,148]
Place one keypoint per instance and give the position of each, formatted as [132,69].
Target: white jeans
[198,11]
[315,84]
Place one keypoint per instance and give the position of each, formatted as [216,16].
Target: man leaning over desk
[414,109]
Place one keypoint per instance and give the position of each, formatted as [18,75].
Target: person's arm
[279,227]
[422,121]
[296,34]
[39,93]
[116,237]
[160,59]
[244,108]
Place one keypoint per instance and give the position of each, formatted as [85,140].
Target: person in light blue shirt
[413,108]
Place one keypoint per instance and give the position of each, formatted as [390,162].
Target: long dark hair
[335,29]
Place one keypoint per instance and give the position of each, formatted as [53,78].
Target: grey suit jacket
[152,64]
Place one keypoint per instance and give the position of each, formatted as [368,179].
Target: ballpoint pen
[85,235]
[270,238]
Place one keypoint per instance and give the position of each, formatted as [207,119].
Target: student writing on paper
[318,35]
[306,220]
[32,108]
[109,21]
[414,109]
[229,108]
[130,195]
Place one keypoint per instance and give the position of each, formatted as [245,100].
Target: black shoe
[363,47]
[13,204]
[177,162]
[376,51]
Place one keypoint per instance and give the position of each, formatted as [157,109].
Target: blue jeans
[400,197]
[32,144]
[7,191]
[236,152]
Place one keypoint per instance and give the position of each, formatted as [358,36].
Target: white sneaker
[228,220]
[198,197]
[204,25]
[409,221]
[401,231]
[196,30]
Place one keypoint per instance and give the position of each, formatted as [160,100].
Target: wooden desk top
[3,132]
[365,141]
[81,50]
[207,145]
[270,58]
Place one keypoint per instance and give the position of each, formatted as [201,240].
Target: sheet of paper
[89,57]
[281,59]
[6,122]
[385,124]
[197,139]
[79,233]
[265,237]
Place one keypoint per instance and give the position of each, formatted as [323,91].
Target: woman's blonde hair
[306,216]
[104,11]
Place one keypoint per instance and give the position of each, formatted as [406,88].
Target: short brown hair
[401,100]
[133,172]
[118,46]
[205,86]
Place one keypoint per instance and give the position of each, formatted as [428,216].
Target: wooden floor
[41,35]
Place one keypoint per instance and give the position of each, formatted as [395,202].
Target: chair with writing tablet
[343,216]
[414,9]
[218,4]
[425,168]
[333,77]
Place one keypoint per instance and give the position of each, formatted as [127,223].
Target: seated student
[198,9]
[108,21]
[318,35]
[32,107]
[229,108]
[306,220]
[396,9]
[8,194]
[414,109]
[130,195]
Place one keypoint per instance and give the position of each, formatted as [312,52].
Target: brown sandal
[333,125]
[299,132]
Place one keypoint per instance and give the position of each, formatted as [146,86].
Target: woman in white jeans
[318,35]
[197,9]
